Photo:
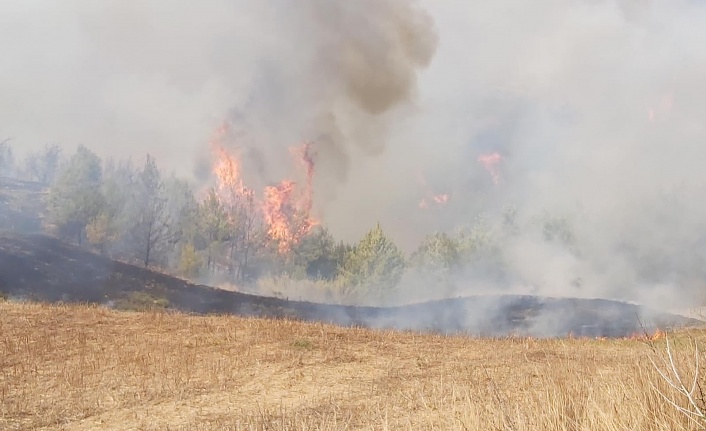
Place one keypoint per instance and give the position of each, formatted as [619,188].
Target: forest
[224,235]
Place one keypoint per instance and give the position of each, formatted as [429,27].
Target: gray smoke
[595,105]
[334,74]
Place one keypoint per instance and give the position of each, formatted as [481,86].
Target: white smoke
[595,105]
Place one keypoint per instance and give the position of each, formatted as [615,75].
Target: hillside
[90,368]
[42,268]
[22,205]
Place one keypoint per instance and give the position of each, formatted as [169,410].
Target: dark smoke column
[334,72]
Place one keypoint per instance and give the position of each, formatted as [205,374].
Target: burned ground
[42,268]
[22,205]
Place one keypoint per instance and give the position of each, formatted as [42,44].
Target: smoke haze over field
[595,106]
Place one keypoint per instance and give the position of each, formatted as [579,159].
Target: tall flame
[287,215]
[285,209]
[490,161]
[305,155]
[230,185]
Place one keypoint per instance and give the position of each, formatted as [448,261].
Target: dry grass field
[90,368]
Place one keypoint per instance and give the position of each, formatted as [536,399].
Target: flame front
[287,215]
[230,187]
[285,210]
[490,162]
[287,221]
[430,199]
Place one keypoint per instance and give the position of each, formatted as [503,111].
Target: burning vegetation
[490,162]
[284,208]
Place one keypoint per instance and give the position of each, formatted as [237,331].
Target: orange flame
[288,218]
[287,221]
[230,185]
[306,157]
[439,199]
[490,162]
[656,336]
[286,214]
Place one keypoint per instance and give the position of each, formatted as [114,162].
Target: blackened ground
[22,205]
[42,268]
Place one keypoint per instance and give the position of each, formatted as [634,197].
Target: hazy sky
[597,107]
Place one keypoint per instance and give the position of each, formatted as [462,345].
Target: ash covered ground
[42,268]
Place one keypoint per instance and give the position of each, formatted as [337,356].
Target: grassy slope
[90,368]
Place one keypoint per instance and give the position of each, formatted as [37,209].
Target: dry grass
[88,368]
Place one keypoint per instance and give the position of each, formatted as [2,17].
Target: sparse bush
[141,301]
[686,385]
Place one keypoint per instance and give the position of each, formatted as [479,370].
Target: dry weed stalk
[669,372]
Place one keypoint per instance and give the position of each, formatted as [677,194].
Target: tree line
[136,213]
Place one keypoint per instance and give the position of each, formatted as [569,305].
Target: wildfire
[230,185]
[305,156]
[287,215]
[287,222]
[656,336]
[430,198]
[439,200]
[285,209]
[490,163]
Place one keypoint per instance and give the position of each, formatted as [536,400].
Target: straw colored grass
[89,368]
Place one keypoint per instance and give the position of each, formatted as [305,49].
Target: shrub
[141,301]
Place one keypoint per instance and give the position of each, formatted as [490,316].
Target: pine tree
[76,199]
[375,266]
[150,221]
[212,226]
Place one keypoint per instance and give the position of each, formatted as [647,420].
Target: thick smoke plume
[594,109]
[335,74]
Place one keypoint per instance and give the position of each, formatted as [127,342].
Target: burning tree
[490,162]
[282,217]
[288,215]
[236,204]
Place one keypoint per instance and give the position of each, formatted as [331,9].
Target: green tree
[558,230]
[375,266]
[43,166]
[150,223]
[76,199]
[317,255]
[438,252]
[119,182]
[101,231]
[212,226]
[436,261]
[189,262]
